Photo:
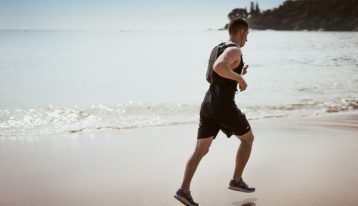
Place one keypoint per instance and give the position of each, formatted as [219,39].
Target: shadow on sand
[246,202]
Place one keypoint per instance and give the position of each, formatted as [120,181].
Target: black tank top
[222,92]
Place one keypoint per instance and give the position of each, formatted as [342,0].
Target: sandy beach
[294,161]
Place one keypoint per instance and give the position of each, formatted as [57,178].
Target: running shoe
[185,197]
[240,186]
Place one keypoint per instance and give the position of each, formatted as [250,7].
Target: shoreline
[319,115]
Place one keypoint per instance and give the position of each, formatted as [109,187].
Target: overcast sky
[126,15]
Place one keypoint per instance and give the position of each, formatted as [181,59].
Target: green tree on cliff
[254,8]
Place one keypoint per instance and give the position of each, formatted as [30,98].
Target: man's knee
[201,151]
[247,138]
[202,147]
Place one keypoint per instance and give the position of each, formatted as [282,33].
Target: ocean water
[54,82]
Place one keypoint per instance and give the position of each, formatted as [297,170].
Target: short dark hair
[236,24]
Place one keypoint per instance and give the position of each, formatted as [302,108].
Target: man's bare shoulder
[232,52]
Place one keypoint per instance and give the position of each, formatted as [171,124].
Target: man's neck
[235,42]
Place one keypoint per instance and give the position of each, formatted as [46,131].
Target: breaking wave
[56,120]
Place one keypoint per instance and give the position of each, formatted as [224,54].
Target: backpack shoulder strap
[224,46]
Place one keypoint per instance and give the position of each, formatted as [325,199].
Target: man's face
[243,36]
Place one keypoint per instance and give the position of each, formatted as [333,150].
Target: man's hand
[242,84]
[244,70]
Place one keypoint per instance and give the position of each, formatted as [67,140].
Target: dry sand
[294,161]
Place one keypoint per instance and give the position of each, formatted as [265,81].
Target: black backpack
[211,76]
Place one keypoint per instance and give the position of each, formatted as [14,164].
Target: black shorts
[229,120]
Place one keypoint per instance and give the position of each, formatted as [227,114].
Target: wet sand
[294,161]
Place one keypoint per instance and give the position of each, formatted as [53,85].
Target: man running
[219,112]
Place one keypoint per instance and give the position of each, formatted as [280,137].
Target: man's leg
[202,148]
[243,153]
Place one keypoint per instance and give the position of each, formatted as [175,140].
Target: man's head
[238,31]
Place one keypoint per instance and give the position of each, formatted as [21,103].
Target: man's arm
[225,64]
